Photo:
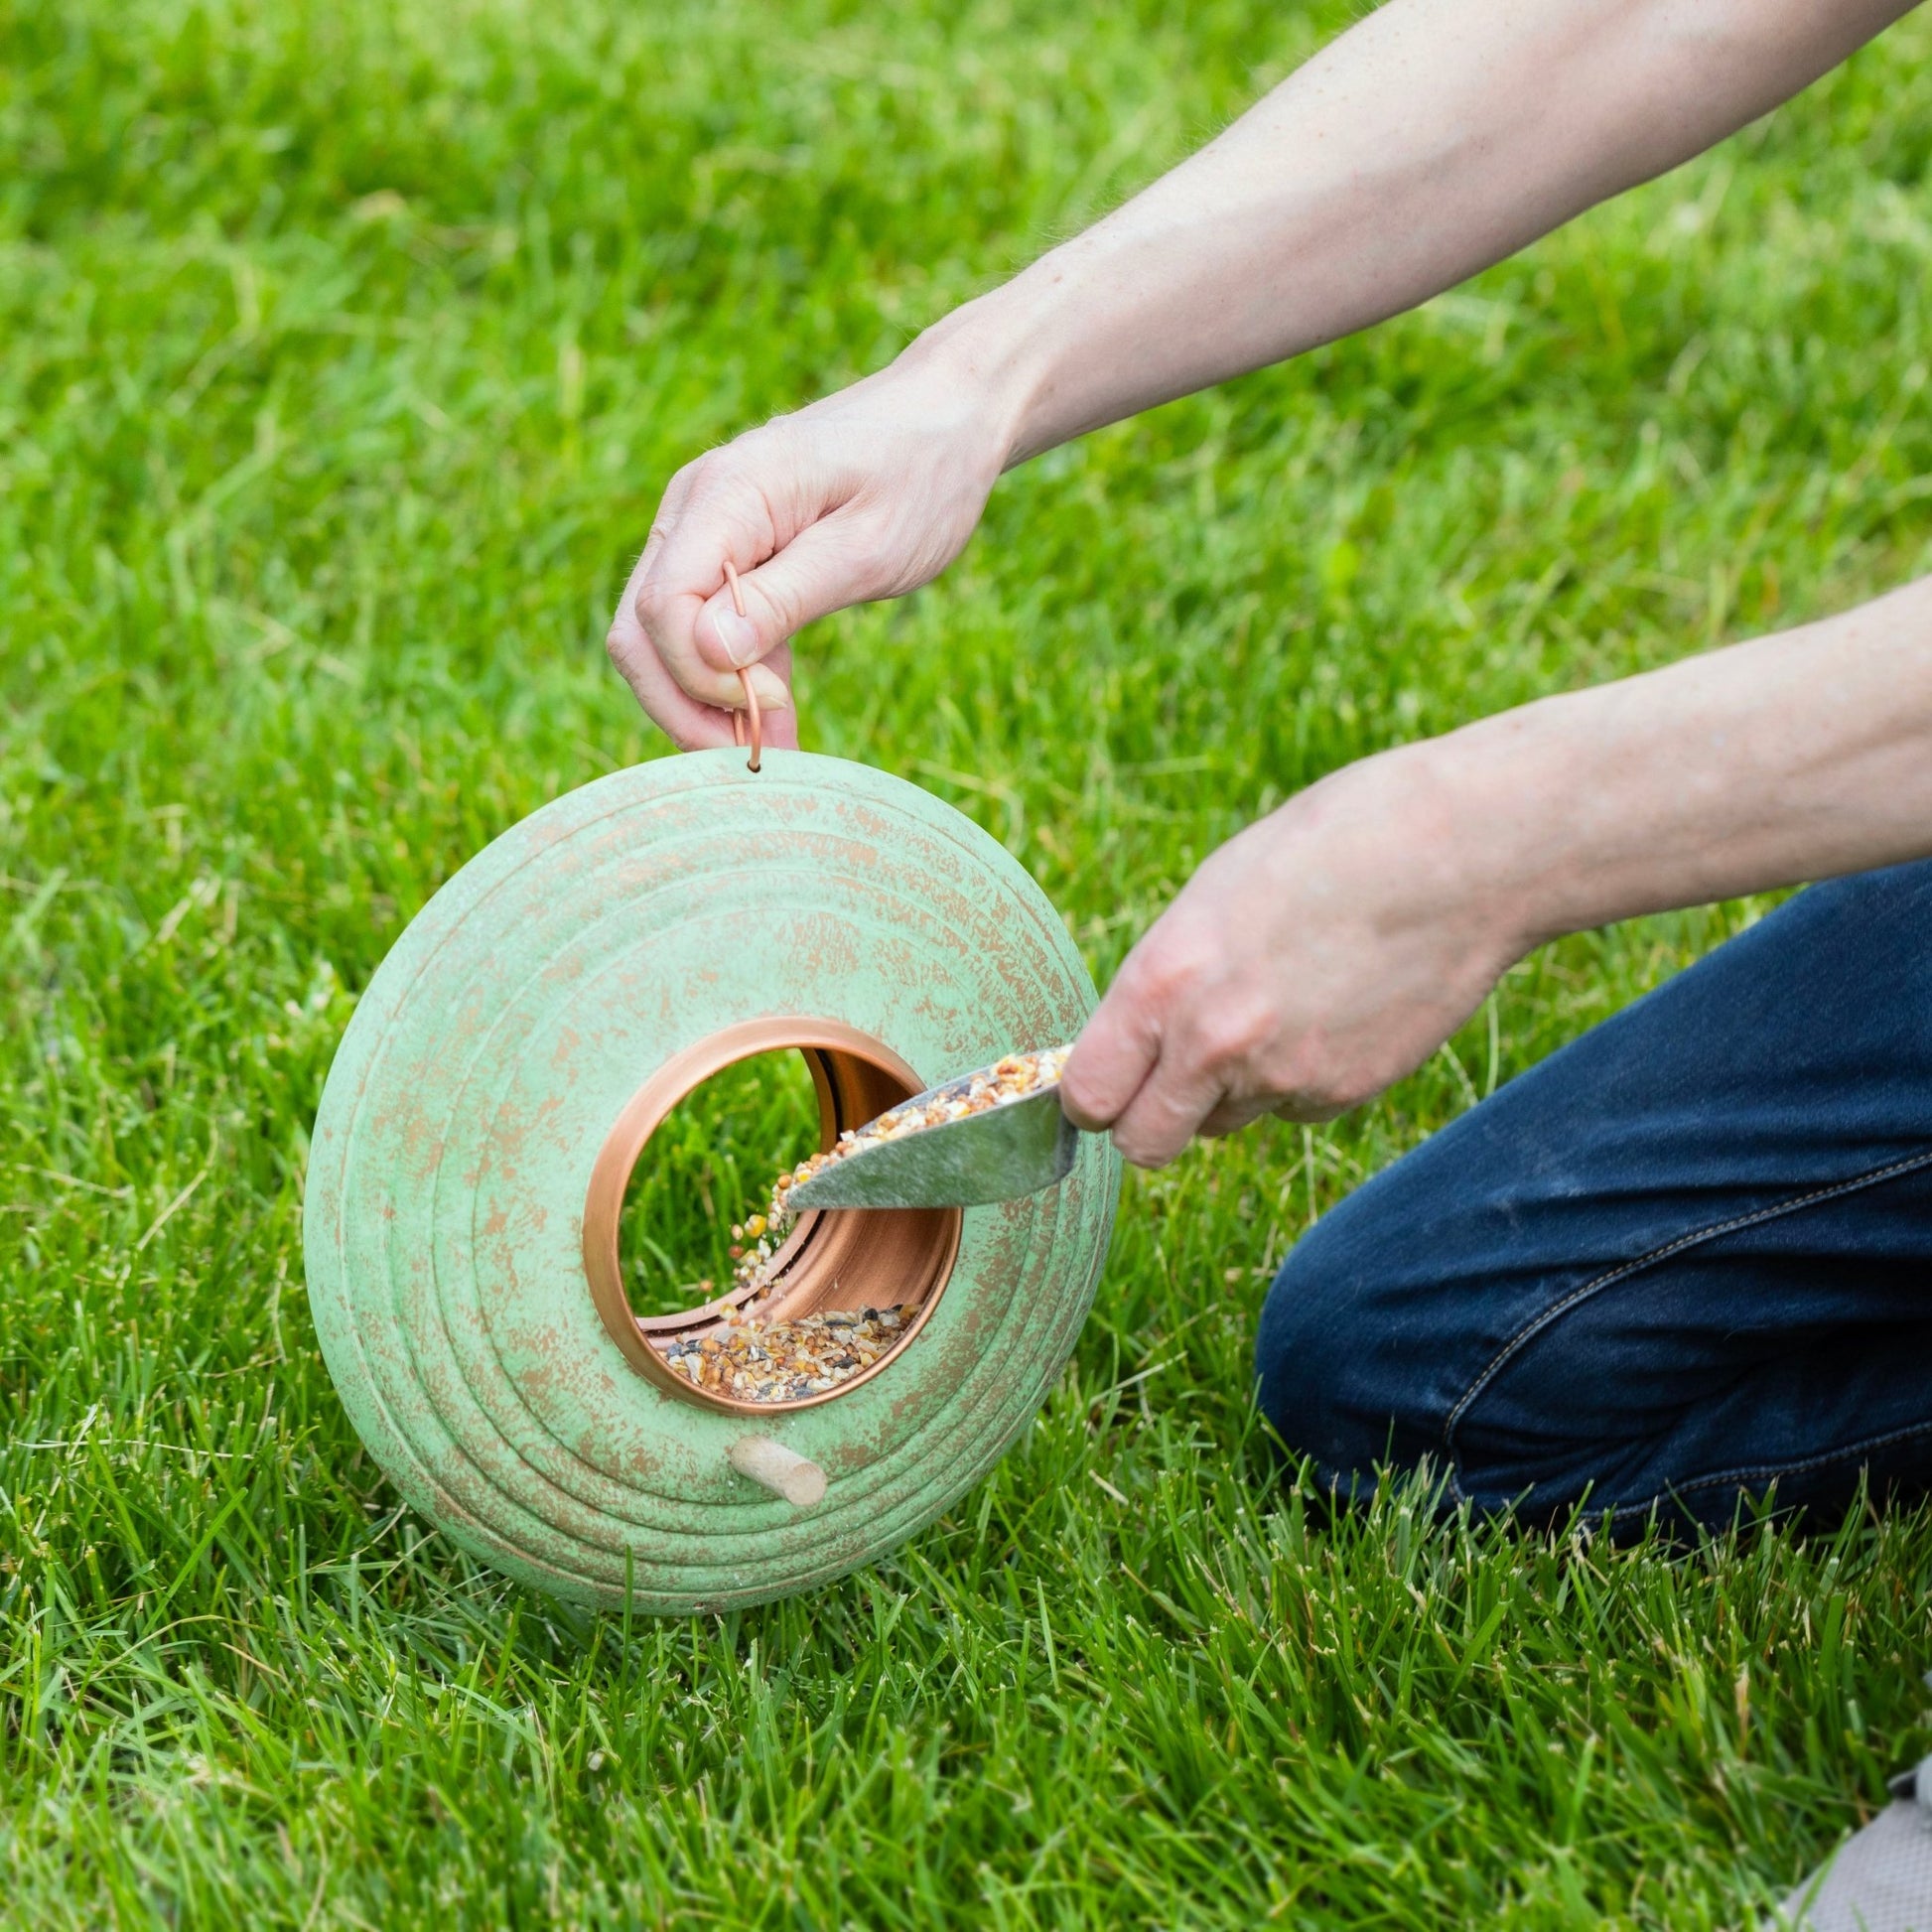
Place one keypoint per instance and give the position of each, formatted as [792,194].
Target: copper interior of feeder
[833,1258]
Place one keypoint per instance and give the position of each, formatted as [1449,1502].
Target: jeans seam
[1770,1471]
[1624,1270]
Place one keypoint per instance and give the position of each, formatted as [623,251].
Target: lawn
[342,350]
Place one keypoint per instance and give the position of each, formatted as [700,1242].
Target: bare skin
[1332,946]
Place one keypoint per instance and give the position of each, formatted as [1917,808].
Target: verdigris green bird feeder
[509,1062]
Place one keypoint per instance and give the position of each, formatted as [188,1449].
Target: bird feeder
[504,1071]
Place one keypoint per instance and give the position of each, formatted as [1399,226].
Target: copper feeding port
[831,1261]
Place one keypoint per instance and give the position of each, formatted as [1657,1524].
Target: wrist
[1505,797]
[997,350]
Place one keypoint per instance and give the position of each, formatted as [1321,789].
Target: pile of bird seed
[782,1361]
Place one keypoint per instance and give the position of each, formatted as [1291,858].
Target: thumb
[814,573]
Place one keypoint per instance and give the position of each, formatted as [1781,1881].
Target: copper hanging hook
[745,678]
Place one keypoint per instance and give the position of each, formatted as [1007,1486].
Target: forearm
[1334,946]
[1431,139]
[1792,757]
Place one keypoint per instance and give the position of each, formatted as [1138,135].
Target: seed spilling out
[758,1360]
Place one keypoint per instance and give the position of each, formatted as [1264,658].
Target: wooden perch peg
[783,1472]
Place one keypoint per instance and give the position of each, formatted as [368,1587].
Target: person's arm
[1332,946]
[1433,138]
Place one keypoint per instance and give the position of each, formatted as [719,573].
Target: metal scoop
[1009,1149]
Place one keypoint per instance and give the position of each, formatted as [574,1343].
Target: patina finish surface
[482,1074]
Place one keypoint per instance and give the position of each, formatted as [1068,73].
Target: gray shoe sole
[1880,1881]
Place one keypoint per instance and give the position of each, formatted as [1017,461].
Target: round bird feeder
[505,1070]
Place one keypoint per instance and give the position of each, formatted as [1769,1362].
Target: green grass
[709,1165]
[342,350]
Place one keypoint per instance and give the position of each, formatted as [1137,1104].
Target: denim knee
[1560,1288]
[1320,1356]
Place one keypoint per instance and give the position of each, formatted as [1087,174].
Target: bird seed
[755,1360]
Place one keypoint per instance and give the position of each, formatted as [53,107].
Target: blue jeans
[1684,1260]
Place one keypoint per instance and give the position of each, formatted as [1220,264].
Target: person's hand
[866,495]
[1319,955]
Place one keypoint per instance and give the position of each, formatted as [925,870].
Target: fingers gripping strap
[745,678]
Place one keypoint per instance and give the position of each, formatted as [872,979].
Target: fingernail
[739,635]
[771,692]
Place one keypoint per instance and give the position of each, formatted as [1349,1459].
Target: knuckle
[1231,1035]
[1077,1086]
[717,469]
[1169,970]
[1139,1151]
[664,525]
[1351,1089]
[1313,1084]
[690,475]
[781,607]
[1088,1104]
[650,603]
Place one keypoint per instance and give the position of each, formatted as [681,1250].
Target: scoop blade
[1003,1154]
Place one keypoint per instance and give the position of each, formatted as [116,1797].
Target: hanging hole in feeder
[828,1266]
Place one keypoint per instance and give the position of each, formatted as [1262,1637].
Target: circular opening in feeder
[695,1205]
[829,1263]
